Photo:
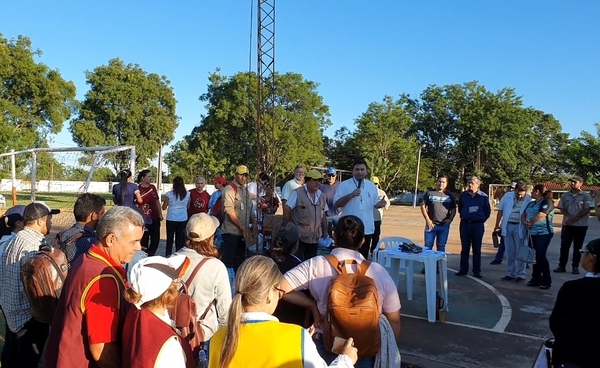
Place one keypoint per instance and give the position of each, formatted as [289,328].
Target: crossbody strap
[195,271]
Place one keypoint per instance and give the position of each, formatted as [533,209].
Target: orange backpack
[352,308]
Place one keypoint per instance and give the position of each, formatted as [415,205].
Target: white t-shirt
[177,210]
[171,354]
[288,188]
[361,206]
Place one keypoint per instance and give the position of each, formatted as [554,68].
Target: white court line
[506,309]
[533,337]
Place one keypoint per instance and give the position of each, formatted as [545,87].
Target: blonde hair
[255,278]
[165,300]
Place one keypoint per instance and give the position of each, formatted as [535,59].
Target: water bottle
[202,361]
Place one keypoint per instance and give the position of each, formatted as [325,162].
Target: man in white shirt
[293,184]
[358,196]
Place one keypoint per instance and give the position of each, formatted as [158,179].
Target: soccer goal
[57,176]
[496,191]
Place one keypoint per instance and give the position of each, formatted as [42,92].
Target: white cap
[201,226]
[152,276]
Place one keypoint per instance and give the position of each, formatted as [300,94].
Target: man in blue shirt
[474,209]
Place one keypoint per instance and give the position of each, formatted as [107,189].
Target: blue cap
[331,171]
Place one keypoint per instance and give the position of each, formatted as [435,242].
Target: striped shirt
[12,298]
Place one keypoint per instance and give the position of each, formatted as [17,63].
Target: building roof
[552,185]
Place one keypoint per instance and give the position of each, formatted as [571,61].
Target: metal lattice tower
[266,81]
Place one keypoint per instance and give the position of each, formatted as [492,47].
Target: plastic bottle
[202,360]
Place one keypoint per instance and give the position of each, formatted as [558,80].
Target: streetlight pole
[417,176]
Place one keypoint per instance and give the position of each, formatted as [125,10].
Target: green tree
[227,135]
[34,99]
[126,106]
[384,139]
[582,156]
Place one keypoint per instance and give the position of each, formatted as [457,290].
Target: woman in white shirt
[177,200]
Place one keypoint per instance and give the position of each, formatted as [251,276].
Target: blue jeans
[541,268]
[328,357]
[471,235]
[440,232]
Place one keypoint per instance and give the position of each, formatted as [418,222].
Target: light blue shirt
[544,226]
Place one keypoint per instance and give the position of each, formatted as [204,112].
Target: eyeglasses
[582,251]
[280,291]
[331,175]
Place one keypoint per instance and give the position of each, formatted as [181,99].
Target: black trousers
[151,237]
[175,231]
[24,348]
[233,251]
[375,237]
[364,249]
[306,250]
[575,235]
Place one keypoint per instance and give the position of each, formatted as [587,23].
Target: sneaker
[560,269]
[478,275]
[461,273]
[495,262]
[507,278]
[534,284]
[544,287]
[519,280]
[575,270]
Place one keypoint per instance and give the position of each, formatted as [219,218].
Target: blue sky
[358,51]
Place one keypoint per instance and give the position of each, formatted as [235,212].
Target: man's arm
[343,201]
[394,319]
[287,213]
[487,208]
[499,216]
[324,229]
[424,210]
[106,355]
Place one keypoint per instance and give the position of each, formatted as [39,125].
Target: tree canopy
[227,135]
[34,99]
[126,106]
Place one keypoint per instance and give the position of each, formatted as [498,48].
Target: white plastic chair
[380,256]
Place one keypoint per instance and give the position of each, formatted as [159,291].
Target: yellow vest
[264,344]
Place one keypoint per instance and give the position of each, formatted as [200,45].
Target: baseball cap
[201,226]
[220,180]
[513,184]
[577,178]
[36,210]
[313,174]
[375,180]
[242,169]
[18,209]
[286,231]
[331,171]
[152,276]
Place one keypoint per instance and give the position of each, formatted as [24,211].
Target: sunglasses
[280,291]
[582,251]
[331,175]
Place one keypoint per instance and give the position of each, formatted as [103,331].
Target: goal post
[58,176]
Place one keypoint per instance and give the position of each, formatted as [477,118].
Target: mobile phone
[338,345]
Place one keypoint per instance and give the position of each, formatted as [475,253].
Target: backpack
[352,308]
[43,277]
[217,210]
[67,246]
[184,314]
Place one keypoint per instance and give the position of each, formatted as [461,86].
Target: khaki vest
[308,216]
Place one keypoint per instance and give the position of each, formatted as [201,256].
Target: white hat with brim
[152,276]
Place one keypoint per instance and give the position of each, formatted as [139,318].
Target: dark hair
[179,188]
[521,187]
[541,188]
[86,204]
[282,246]
[360,161]
[142,174]
[594,248]
[8,222]
[123,176]
[264,177]
[349,232]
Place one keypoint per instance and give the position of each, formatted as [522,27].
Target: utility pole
[159,169]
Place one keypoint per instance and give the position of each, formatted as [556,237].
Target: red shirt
[198,202]
[101,301]
[150,204]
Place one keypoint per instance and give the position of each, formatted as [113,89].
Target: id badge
[361,206]
[242,206]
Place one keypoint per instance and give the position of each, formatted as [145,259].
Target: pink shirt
[315,274]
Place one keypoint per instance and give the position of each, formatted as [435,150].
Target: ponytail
[232,337]
[548,194]
[123,176]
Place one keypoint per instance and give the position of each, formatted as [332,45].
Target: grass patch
[61,201]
